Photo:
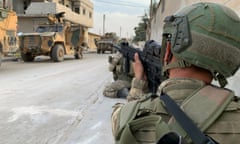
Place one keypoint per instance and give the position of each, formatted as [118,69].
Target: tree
[140,30]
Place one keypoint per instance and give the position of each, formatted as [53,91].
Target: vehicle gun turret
[56,18]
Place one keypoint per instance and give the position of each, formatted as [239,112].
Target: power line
[122,3]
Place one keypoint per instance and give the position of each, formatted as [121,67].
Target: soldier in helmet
[122,77]
[123,73]
[200,43]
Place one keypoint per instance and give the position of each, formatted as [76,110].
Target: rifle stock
[171,138]
[150,58]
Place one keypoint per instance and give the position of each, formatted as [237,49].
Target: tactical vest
[145,121]
[124,71]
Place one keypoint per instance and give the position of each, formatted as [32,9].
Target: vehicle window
[54,28]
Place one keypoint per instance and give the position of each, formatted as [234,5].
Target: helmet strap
[179,63]
[168,53]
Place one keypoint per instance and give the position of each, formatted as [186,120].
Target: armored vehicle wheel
[78,53]
[27,57]
[57,53]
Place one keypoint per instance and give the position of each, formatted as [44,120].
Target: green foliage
[154,7]
[140,30]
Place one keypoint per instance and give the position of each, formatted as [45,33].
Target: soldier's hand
[138,68]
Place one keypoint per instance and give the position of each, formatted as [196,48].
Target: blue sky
[125,6]
[121,16]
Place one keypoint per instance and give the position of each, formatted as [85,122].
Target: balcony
[42,8]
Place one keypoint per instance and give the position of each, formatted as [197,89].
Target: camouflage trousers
[112,89]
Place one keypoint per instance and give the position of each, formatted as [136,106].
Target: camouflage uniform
[224,130]
[121,79]
[214,110]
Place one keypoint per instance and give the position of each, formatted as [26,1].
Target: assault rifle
[150,58]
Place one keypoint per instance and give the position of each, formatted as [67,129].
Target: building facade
[92,37]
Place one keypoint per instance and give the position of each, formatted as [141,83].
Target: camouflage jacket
[116,66]
[134,116]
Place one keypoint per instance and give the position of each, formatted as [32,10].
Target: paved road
[43,102]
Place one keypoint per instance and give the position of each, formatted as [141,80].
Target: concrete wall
[18,6]
[165,8]
[41,8]
[29,25]
[91,43]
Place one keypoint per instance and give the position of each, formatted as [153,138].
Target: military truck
[55,39]
[106,41]
[8,32]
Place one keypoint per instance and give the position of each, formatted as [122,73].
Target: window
[77,10]
[61,2]
[90,15]
[84,11]
[53,28]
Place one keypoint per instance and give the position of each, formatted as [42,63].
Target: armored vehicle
[54,39]
[105,43]
[8,32]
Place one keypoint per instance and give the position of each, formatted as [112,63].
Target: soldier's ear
[168,53]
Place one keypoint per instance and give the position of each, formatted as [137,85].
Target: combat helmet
[206,35]
[152,47]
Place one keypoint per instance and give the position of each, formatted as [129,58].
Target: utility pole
[4,4]
[120,31]
[151,9]
[103,24]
